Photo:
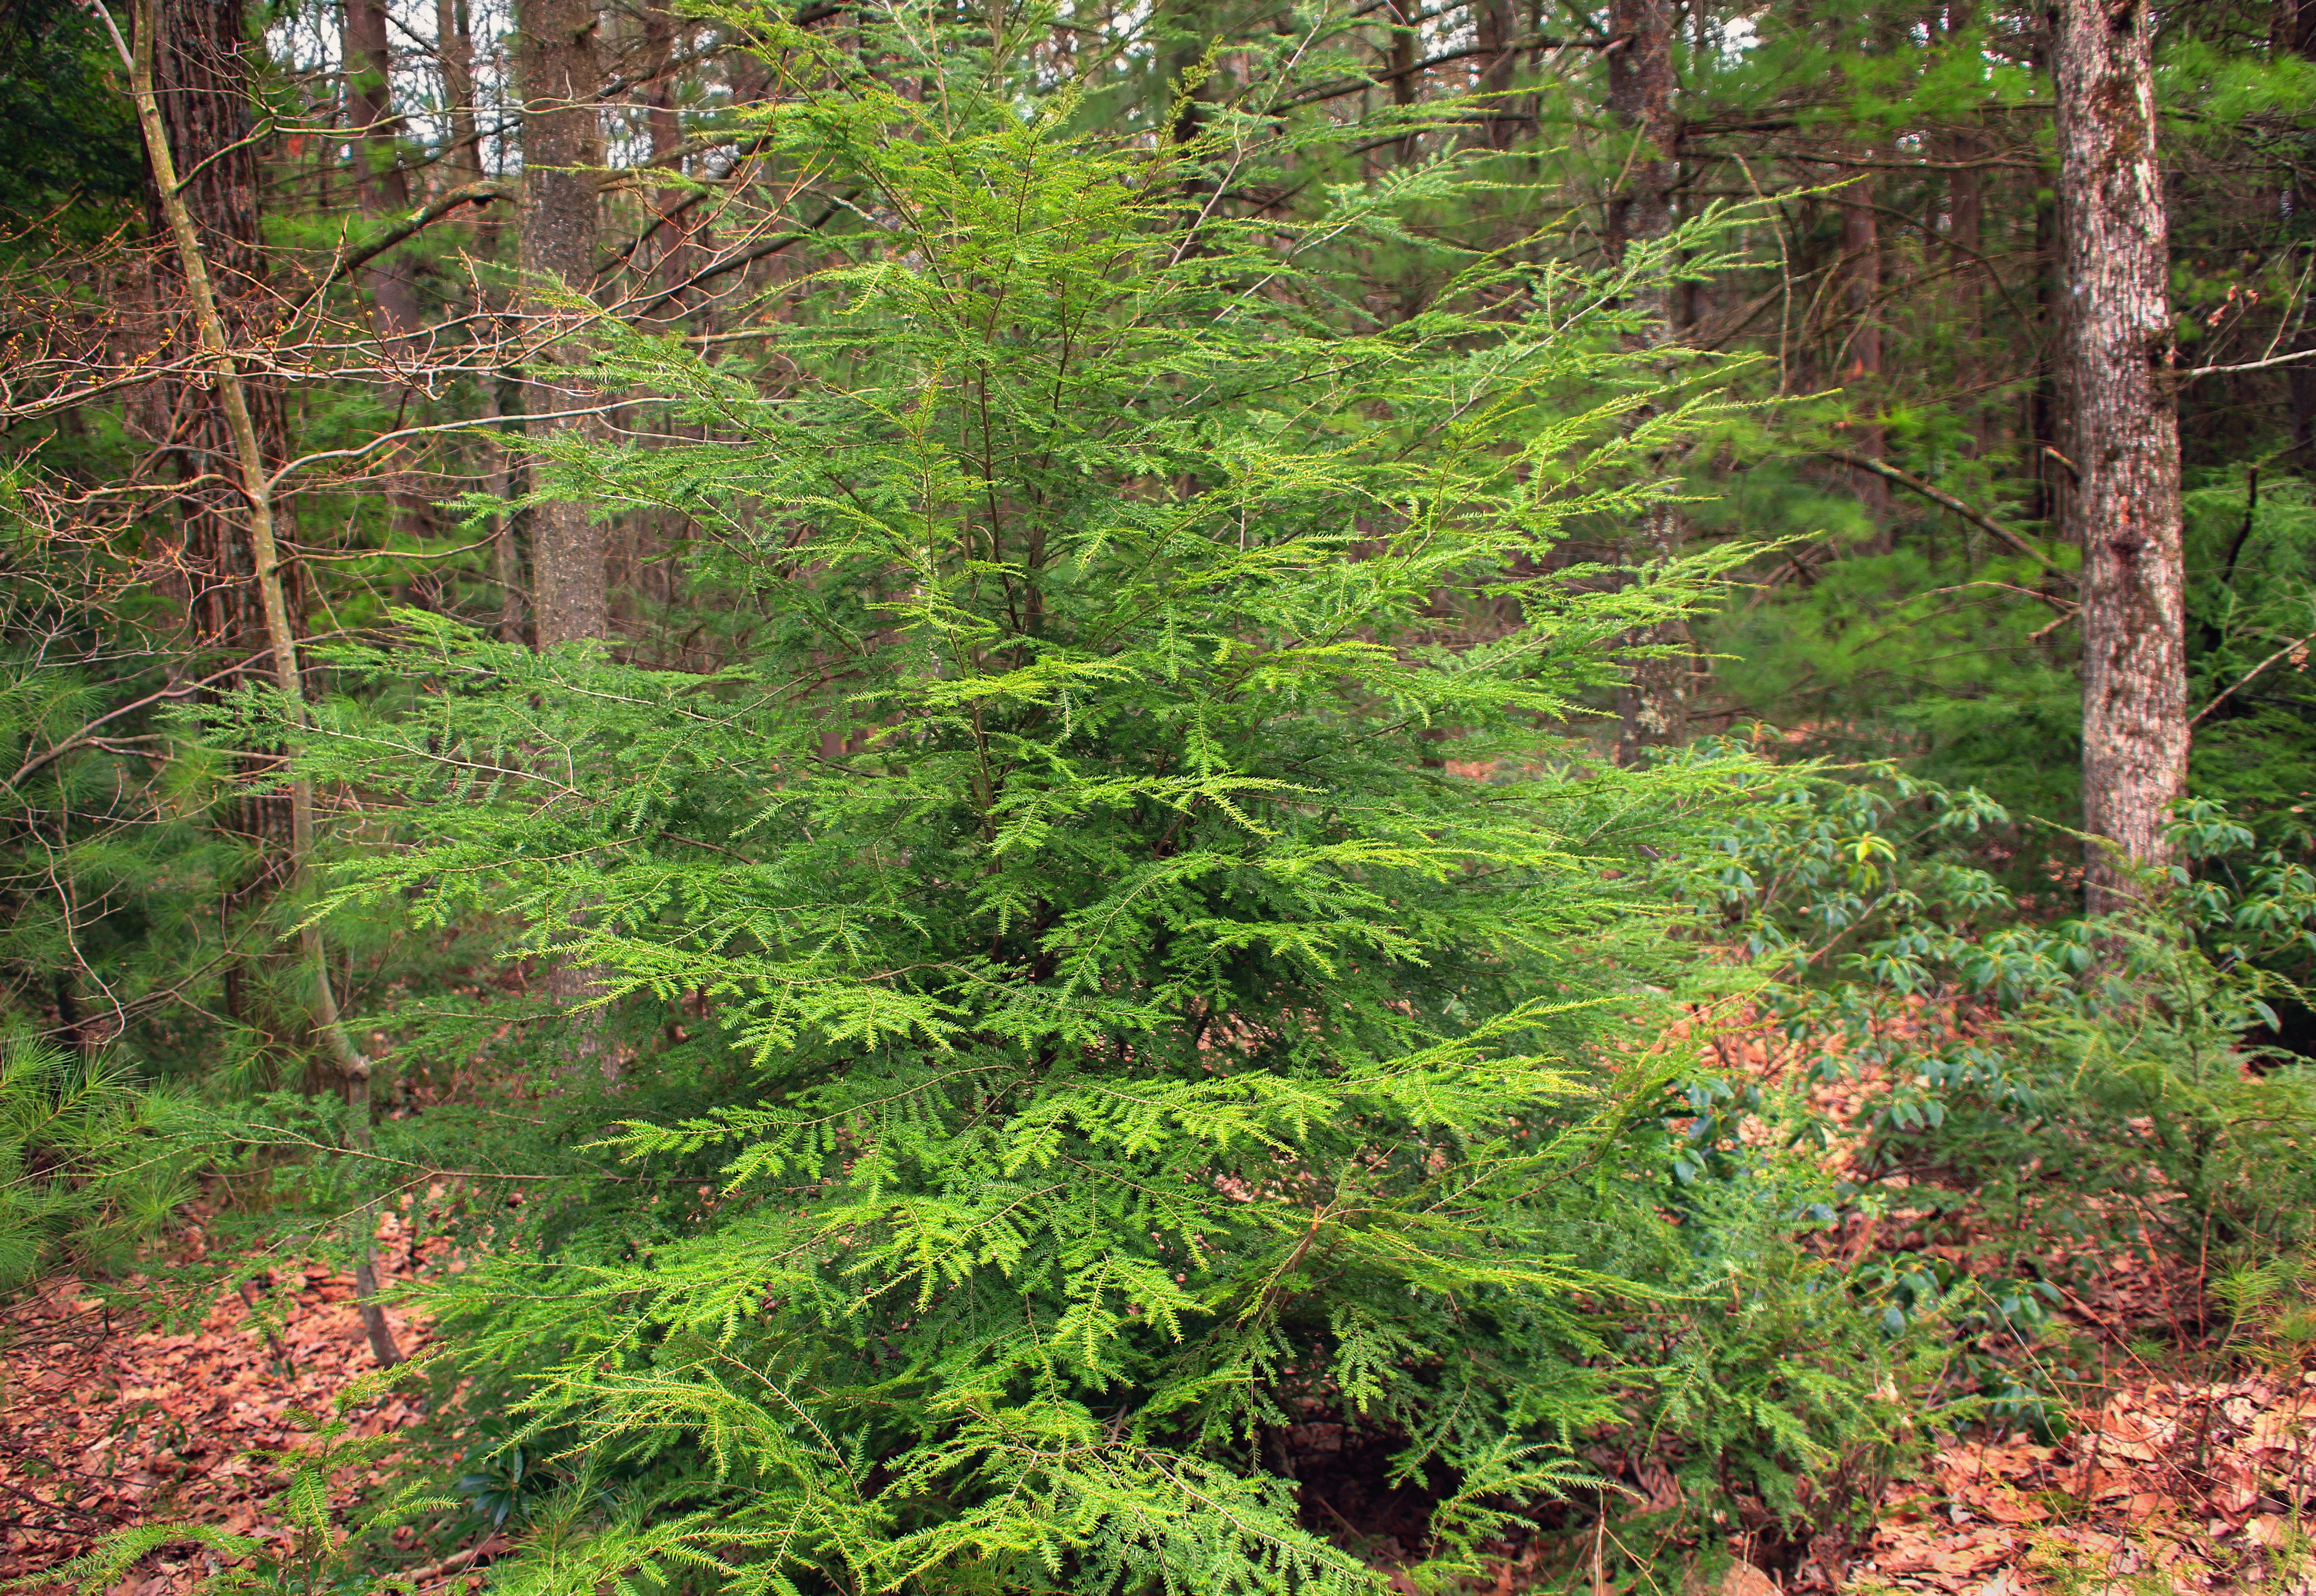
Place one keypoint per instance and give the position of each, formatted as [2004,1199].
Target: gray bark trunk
[562,133]
[1651,706]
[2114,348]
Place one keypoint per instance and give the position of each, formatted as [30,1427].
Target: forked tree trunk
[2115,347]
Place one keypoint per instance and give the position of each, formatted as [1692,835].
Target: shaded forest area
[916,798]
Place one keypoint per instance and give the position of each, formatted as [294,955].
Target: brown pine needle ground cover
[2189,1458]
[2188,1461]
[106,1425]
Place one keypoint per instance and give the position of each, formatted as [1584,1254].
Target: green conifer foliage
[1158,997]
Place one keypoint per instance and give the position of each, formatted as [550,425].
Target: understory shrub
[1096,991]
[2044,1089]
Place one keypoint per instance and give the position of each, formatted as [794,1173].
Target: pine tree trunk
[253,473]
[1652,704]
[385,192]
[454,49]
[562,135]
[1861,366]
[201,95]
[2115,347]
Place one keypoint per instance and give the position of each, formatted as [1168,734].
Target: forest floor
[197,1419]
[2187,1463]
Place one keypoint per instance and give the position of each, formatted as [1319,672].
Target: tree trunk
[384,191]
[1498,26]
[562,136]
[1402,15]
[2115,351]
[252,474]
[454,50]
[378,157]
[1652,704]
[2294,32]
[675,210]
[1861,369]
[201,97]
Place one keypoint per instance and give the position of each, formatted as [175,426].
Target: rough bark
[200,73]
[675,210]
[1652,704]
[2115,349]
[562,133]
[2294,32]
[559,71]
[385,192]
[378,147]
[246,464]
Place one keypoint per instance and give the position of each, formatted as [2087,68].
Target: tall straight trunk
[1498,26]
[1861,369]
[506,552]
[1404,16]
[201,74]
[562,133]
[385,192]
[2046,403]
[454,51]
[560,74]
[2115,351]
[385,184]
[2293,32]
[1966,207]
[202,91]
[673,209]
[246,461]
[1652,704]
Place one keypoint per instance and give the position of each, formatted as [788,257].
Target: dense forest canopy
[1183,797]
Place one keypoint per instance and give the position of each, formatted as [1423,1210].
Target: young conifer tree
[1162,997]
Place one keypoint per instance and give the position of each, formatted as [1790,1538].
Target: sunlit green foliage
[1128,1036]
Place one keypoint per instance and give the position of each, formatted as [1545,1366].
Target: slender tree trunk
[454,49]
[673,208]
[1861,370]
[562,136]
[202,82]
[384,185]
[1965,200]
[1402,15]
[1498,26]
[2115,351]
[506,552]
[1653,705]
[384,191]
[2294,31]
[255,479]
